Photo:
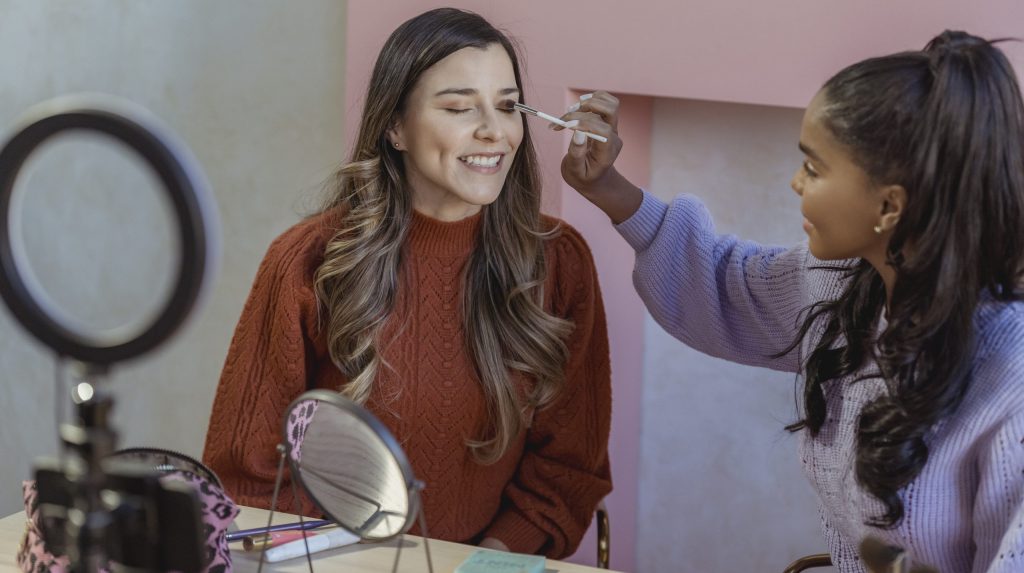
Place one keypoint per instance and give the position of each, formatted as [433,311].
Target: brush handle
[594,136]
[557,121]
[550,118]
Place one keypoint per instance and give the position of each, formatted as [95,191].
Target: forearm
[614,195]
[731,299]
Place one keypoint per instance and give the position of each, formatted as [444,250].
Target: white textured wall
[255,88]
[720,483]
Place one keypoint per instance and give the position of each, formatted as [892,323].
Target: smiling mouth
[484,161]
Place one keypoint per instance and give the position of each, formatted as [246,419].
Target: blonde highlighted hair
[507,329]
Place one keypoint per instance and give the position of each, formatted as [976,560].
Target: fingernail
[585,97]
[578,138]
[571,124]
[572,108]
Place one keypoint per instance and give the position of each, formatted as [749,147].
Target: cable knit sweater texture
[539,497]
[742,301]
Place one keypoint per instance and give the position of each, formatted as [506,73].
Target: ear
[395,135]
[894,202]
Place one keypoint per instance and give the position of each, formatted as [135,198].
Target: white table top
[363,558]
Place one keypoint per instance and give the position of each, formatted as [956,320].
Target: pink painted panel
[774,53]
[625,314]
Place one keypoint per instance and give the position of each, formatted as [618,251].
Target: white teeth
[481,161]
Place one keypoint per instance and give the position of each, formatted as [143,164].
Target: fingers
[587,161]
[602,103]
[593,116]
[578,147]
[570,124]
[584,121]
[583,145]
[576,106]
[588,122]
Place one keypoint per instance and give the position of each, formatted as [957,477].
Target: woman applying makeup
[432,291]
[902,313]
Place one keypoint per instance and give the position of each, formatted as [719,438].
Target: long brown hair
[946,123]
[507,329]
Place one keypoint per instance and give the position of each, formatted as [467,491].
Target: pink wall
[625,315]
[774,53]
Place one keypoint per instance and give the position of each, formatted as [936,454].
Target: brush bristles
[524,108]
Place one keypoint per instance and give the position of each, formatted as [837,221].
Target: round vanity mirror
[350,466]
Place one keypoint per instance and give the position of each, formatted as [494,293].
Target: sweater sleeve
[266,368]
[564,471]
[728,298]
[999,503]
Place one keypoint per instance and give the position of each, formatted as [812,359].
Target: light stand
[93,511]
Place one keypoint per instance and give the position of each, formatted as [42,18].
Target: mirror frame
[412,485]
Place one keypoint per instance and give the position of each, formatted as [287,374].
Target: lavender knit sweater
[742,301]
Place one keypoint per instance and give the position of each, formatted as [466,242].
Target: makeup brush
[529,110]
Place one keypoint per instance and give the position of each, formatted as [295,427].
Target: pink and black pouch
[218,511]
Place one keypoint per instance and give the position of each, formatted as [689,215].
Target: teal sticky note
[487,561]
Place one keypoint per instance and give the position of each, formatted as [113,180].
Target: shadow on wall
[720,484]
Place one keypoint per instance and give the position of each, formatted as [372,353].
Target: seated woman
[432,291]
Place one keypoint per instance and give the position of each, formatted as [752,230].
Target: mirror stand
[421,516]
[282,451]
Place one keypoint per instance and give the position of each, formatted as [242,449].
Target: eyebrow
[810,153]
[471,91]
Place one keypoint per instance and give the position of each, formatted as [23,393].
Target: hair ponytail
[946,124]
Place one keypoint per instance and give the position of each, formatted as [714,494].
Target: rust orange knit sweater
[539,498]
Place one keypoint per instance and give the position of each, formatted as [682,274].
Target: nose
[490,128]
[797,182]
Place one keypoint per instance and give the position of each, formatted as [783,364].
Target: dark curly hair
[946,123]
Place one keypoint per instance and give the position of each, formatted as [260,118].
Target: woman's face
[840,204]
[459,132]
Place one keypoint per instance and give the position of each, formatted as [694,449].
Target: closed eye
[456,111]
[809,170]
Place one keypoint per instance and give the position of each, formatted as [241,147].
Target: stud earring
[396,145]
[878,229]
